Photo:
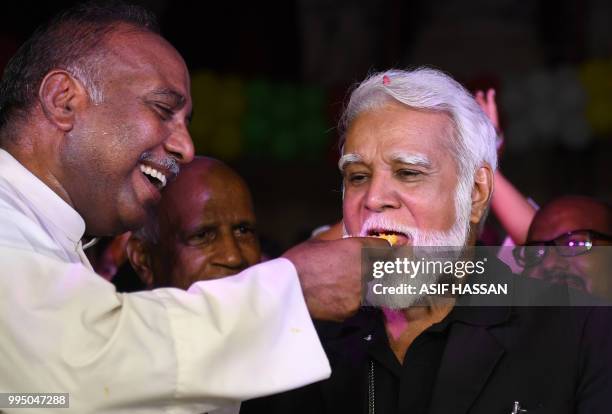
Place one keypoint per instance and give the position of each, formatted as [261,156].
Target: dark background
[270,79]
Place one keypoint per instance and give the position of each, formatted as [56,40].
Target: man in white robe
[93,123]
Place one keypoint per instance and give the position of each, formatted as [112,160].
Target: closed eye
[162,109]
[165,112]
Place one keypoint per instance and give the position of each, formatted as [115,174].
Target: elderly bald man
[204,228]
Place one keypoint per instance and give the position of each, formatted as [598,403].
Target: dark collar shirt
[543,359]
[394,387]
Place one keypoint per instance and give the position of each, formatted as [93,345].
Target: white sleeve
[65,329]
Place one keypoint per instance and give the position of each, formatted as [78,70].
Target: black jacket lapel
[470,356]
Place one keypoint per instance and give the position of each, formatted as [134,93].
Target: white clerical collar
[42,199]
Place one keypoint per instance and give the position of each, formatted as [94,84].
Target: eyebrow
[411,158]
[248,223]
[177,97]
[206,224]
[348,159]
[403,157]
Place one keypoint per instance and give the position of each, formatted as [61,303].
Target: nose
[380,195]
[229,254]
[180,145]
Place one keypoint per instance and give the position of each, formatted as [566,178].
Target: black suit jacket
[551,359]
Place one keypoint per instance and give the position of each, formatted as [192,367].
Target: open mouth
[393,237]
[155,177]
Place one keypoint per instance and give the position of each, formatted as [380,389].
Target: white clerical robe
[65,329]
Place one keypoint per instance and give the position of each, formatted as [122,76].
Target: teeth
[154,173]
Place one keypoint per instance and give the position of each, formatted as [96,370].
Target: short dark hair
[70,41]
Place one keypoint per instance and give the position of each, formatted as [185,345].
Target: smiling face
[120,152]
[206,227]
[400,176]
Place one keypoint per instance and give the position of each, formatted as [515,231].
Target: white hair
[427,244]
[432,90]
[473,141]
[89,76]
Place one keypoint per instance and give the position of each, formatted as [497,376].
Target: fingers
[330,274]
[480,99]
[492,108]
[488,105]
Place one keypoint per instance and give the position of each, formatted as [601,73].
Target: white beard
[426,244]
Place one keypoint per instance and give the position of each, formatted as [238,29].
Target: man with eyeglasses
[567,243]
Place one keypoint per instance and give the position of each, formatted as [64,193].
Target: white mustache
[454,237]
[169,163]
[376,222]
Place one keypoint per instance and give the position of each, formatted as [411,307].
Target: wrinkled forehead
[208,195]
[396,132]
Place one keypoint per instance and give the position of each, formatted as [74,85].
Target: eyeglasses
[573,243]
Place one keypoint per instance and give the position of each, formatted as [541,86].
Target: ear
[481,193]
[140,260]
[61,95]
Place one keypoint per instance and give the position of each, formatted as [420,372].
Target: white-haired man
[418,157]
